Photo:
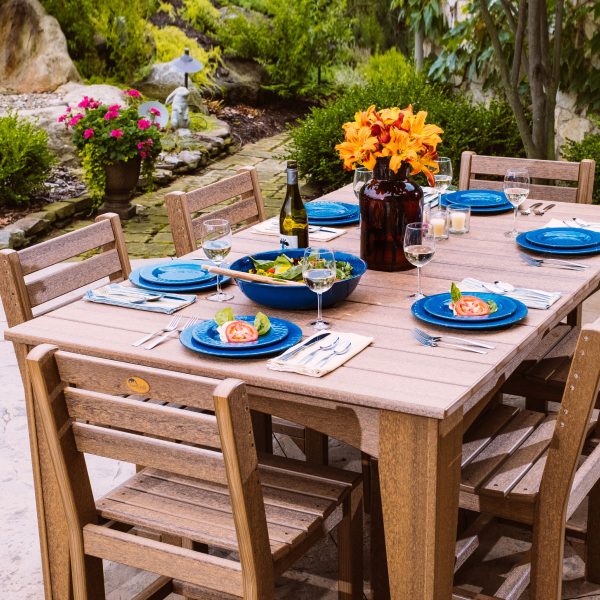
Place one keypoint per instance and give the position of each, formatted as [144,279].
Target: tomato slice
[240,331]
[471,306]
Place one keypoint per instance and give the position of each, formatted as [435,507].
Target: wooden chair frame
[181,206]
[82,410]
[473,165]
[20,295]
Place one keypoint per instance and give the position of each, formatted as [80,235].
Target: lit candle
[439,226]
[457,220]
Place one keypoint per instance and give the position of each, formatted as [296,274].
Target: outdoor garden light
[187,64]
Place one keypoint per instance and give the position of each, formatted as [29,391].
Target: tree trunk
[419,51]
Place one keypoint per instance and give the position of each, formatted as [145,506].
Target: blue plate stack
[332,213]
[560,240]
[204,338]
[177,276]
[436,310]
[482,202]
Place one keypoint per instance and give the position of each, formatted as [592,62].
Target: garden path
[148,233]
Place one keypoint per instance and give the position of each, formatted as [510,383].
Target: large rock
[33,49]
[163,79]
[73,94]
[241,81]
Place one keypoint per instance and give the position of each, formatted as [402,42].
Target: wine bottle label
[288,241]
[292,176]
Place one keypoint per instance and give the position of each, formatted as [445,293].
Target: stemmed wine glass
[361,176]
[318,271]
[419,248]
[516,188]
[443,178]
[215,235]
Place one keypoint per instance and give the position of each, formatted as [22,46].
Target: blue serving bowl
[299,297]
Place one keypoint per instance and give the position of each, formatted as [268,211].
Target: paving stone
[62,210]
[150,250]
[11,237]
[82,204]
[32,225]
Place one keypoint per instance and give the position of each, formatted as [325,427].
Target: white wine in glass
[516,189]
[419,248]
[443,178]
[215,235]
[318,271]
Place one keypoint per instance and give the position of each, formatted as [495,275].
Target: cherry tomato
[240,331]
[471,306]
[271,270]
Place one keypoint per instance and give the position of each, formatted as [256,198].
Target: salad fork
[553,262]
[166,335]
[173,323]
[438,338]
[426,341]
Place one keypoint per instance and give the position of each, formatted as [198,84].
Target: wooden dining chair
[27,284]
[202,482]
[551,177]
[536,469]
[246,209]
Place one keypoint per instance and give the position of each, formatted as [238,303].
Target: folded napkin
[530,298]
[358,344]
[168,303]
[318,233]
[583,224]
[430,195]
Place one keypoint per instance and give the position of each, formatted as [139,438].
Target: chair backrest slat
[145,417]
[476,170]
[247,210]
[19,298]
[151,452]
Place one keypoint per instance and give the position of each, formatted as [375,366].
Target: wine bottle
[293,220]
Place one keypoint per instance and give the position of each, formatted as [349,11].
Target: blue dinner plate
[293,337]
[330,210]
[480,201]
[439,306]
[206,334]
[563,238]
[420,313]
[176,273]
[209,284]
[522,241]
[334,222]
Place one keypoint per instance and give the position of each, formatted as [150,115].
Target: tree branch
[519,55]
[510,17]
[536,78]
[554,78]
[512,94]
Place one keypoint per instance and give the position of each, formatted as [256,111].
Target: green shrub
[25,161]
[589,147]
[467,126]
[389,66]
[200,14]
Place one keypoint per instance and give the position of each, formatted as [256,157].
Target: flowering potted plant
[394,143]
[115,144]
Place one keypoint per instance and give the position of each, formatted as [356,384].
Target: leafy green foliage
[294,43]
[467,126]
[200,14]
[106,39]
[589,147]
[25,161]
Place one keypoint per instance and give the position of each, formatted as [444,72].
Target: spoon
[527,211]
[335,352]
[328,346]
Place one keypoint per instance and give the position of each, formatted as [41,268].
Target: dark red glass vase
[387,204]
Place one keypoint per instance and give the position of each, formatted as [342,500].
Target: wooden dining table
[402,403]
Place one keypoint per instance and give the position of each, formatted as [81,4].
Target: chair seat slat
[236,213]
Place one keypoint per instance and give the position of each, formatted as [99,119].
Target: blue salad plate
[332,213]
[439,306]
[207,334]
[563,238]
[176,273]
[293,337]
[208,283]
[420,312]
[481,201]
[523,240]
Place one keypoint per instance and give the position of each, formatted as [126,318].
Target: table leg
[419,473]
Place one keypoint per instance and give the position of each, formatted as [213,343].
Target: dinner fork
[166,335]
[553,262]
[170,327]
[429,342]
[438,338]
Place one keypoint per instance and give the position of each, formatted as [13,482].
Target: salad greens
[290,269]
[261,322]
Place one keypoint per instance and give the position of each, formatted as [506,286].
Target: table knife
[287,355]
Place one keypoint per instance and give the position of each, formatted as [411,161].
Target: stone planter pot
[121,179]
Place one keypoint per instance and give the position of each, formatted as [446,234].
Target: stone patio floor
[147,235]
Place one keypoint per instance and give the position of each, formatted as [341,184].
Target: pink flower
[149,141]
[94,103]
[114,108]
[75,120]
[155,112]
[111,114]
[140,145]
[132,93]
[116,133]
[88,133]
[62,117]
[144,124]
[144,154]
[85,103]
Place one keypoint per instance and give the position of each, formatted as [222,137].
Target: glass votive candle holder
[459,218]
[437,217]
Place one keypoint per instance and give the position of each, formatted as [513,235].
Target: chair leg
[547,553]
[380,583]
[365,460]
[316,447]
[350,547]
[592,559]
